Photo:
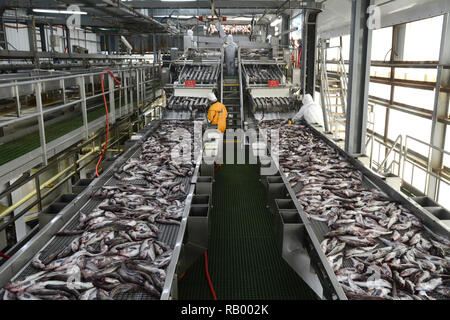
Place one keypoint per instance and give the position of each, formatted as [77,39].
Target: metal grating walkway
[244,262]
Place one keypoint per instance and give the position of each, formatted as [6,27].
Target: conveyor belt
[317,229]
[169,234]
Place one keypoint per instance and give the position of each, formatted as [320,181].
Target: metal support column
[43,38]
[441,109]
[155,50]
[68,44]
[397,51]
[359,77]
[138,88]
[18,104]
[309,53]
[63,88]
[125,79]
[83,106]
[38,92]
[285,27]
[32,41]
[112,102]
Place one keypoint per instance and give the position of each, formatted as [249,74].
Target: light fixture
[175,16]
[178,0]
[275,22]
[58,11]
[240,19]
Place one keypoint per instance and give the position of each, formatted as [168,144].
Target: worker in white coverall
[230,49]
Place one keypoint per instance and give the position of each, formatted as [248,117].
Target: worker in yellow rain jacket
[217,113]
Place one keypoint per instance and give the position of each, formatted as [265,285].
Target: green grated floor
[14,149]
[244,262]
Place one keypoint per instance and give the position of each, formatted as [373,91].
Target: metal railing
[36,197]
[429,174]
[135,82]
[404,157]
[381,167]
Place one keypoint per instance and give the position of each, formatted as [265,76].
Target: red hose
[4,255]
[107,119]
[209,279]
[15,27]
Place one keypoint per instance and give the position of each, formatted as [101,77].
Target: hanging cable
[107,118]
[209,278]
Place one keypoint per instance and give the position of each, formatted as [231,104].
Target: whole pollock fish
[115,247]
[383,240]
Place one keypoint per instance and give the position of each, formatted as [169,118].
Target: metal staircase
[232,101]
[232,97]
[333,90]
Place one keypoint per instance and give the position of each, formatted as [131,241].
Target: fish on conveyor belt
[115,248]
[387,246]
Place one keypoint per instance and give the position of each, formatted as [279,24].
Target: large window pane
[346,47]
[380,72]
[379,118]
[380,90]
[427,75]
[414,97]
[382,44]
[447,147]
[402,123]
[423,40]
[444,191]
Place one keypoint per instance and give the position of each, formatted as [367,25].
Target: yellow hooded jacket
[217,114]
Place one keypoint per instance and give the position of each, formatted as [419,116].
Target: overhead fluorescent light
[275,22]
[178,0]
[240,18]
[175,16]
[58,11]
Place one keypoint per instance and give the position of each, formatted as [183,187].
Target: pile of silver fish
[262,74]
[377,248]
[271,104]
[188,103]
[200,74]
[116,247]
[255,53]
[230,29]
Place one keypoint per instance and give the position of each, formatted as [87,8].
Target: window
[447,147]
[380,72]
[346,47]
[406,124]
[379,118]
[380,90]
[423,40]
[414,97]
[444,191]
[427,75]
[382,44]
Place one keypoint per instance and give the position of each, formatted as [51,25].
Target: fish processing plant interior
[330,182]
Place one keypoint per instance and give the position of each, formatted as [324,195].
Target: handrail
[12,84]
[428,170]
[398,141]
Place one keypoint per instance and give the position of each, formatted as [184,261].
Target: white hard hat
[229,38]
[212,97]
